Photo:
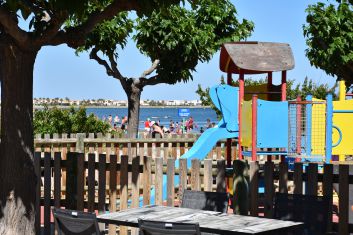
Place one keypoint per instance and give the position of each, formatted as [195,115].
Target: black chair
[210,201]
[311,210]
[148,227]
[69,222]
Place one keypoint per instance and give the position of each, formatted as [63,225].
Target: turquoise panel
[272,124]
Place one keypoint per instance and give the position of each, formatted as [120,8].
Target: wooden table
[209,221]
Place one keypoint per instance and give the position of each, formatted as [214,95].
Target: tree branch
[10,26]
[55,22]
[151,69]
[154,80]
[75,37]
[93,55]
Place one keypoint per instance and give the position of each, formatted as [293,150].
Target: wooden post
[327,188]
[112,190]
[343,197]
[71,181]
[298,178]
[124,188]
[159,181]
[47,192]
[102,182]
[254,188]
[283,177]
[57,179]
[170,181]
[221,176]
[146,180]
[195,174]
[135,181]
[269,189]
[91,181]
[208,179]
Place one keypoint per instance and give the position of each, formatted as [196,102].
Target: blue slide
[225,98]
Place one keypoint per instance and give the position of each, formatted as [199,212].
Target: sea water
[161,114]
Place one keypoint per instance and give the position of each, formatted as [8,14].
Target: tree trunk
[133,97]
[17,176]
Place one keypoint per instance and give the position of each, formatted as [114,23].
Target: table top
[209,221]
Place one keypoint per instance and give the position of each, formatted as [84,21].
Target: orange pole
[241,98]
[284,86]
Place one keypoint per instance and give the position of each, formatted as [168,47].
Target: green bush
[56,120]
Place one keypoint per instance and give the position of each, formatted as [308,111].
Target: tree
[50,23]
[308,87]
[329,37]
[175,40]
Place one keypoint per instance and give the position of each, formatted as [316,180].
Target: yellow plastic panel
[246,124]
[344,121]
[318,128]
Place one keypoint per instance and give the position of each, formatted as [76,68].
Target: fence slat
[221,176]
[102,182]
[135,181]
[269,189]
[208,179]
[112,190]
[311,188]
[283,177]
[80,181]
[124,177]
[195,175]
[327,187]
[343,197]
[159,181]
[91,181]
[298,178]
[254,188]
[183,177]
[170,181]
[37,157]
[146,180]
[47,192]
[57,179]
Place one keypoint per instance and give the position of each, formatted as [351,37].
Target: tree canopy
[49,23]
[329,37]
[174,38]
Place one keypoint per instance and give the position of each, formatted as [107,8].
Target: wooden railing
[101,183]
[171,145]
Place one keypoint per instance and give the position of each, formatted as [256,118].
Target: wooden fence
[104,183]
[171,145]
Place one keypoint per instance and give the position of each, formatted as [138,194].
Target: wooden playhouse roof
[255,57]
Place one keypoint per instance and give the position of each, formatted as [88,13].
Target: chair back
[309,209]
[75,222]
[210,201]
[148,227]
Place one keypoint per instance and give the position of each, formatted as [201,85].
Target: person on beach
[171,126]
[156,130]
[116,119]
[124,123]
[147,125]
[208,124]
[110,119]
[190,124]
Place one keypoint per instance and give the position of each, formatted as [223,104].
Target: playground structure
[261,118]
[311,130]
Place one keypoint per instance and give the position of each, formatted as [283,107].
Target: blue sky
[60,73]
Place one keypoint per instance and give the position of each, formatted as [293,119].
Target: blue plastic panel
[272,124]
